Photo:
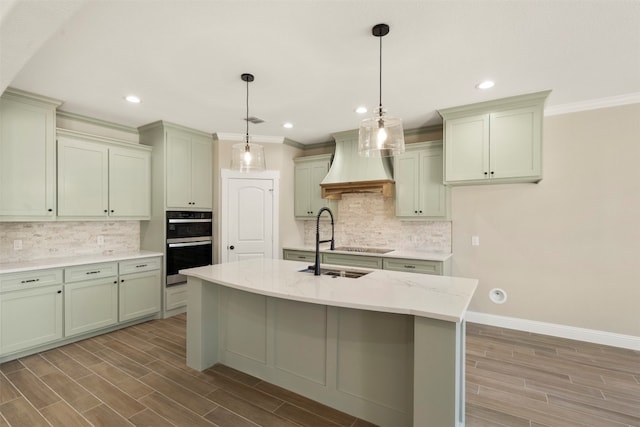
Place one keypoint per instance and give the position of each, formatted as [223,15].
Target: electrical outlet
[475,240]
[17,245]
[100,240]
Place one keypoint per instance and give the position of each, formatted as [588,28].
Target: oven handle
[182,245]
[187,221]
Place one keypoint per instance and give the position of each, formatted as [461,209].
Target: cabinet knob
[415,211]
[122,281]
[420,211]
[115,281]
[111,210]
[485,174]
[105,211]
[49,210]
[491,172]
[59,292]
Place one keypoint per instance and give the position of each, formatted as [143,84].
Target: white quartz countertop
[41,264]
[406,254]
[438,297]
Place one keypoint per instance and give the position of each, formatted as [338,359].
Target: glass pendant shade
[247,158]
[381,136]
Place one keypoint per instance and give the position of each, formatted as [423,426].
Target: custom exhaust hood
[352,173]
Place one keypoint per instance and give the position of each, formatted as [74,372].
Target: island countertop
[437,297]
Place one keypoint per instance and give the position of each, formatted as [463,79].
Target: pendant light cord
[247,119]
[380,79]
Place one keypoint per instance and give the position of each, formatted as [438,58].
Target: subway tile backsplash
[369,220]
[42,240]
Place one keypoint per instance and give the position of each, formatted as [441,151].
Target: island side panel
[438,388]
[203,309]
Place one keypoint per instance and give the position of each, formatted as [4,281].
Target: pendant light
[380,135]
[245,157]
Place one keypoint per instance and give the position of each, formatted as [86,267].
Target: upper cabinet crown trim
[21,95]
[102,139]
[168,125]
[489,106]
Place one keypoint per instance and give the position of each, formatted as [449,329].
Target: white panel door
[250,219]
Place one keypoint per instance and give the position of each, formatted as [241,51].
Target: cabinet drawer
[413,266]
[176,297]
[30,279]
[352,260]
[138,265]
[300,256]
[91,271]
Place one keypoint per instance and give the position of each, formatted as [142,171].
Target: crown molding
[99,122]
[594,104]
[239,137]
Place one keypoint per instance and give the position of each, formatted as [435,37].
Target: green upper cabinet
[309,173]
[495,141]
[420,193]
[189,169]
[100,178]
[27,157]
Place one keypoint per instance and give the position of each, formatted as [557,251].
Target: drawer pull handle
[301,257]
[93,272]
[141,265]
[409,266]
[30,281]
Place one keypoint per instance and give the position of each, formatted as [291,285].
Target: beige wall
[566,250]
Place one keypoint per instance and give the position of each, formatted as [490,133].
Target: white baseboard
[570,332]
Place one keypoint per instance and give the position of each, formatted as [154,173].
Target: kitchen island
[387,347]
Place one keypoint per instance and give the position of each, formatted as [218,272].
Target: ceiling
[313,61]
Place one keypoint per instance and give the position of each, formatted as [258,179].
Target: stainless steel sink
[337,272]
[364,250]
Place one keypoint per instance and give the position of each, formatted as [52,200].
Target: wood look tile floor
[137,377]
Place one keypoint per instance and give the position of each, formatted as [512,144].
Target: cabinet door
[201,166]
[129,183]
[27,160]
[433,194]
[90,305]
[467,148]
[302,195]
[318,172]
[139,295]
[83,178]
[406,175]
[178,170]
[30,317]
[516,143]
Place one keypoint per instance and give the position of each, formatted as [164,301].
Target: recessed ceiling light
[132,99]
[361,110]
[287,125]
[487,84]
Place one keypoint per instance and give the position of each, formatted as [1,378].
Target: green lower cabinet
[440,268]
[352,260]
[299,256]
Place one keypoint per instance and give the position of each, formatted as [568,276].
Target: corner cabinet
[308,174]
[27,157]
[100,178]
[420,192]
[495,141]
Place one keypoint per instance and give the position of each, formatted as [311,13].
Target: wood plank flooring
[138,377]
[516,379]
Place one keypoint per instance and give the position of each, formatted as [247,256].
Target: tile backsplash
[62,239]
[369,220]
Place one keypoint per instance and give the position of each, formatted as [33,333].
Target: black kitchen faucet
[316,267]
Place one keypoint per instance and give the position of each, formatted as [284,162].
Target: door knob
[232,247]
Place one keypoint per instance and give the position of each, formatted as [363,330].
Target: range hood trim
[336,190]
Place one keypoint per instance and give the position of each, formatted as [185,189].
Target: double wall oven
[189,242]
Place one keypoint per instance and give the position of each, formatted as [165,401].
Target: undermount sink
[363,250]
[337,272]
